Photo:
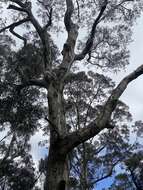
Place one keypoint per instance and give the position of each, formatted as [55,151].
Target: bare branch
[69,46]
[8,134]
[13,25]
[17,8]
[54,128]
[44,36]
[33,82]
[102,122]
[51,123]
[18,2]
[116,93]
[115,7]
[18,36]
[108,174]
[77,137]
[100,17]
[78,9]
[26,9]
[122,158]
[100,149]
[90,40]
[68,15]
[49,13]
[36,180]
[50,19]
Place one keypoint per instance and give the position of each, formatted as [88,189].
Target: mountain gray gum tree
[105,17]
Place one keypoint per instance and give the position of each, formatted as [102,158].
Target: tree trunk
[57,171]
[57,167]
[83,179]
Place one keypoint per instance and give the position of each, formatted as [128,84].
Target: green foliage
[95,160]
[20,112]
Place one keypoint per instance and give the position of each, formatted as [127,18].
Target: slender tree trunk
[84,182]
[57,167]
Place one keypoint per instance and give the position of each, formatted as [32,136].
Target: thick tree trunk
[57,167]
[57,171]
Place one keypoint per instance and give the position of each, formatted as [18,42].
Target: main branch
[12,26]
[68,15]
[39,83]
[43,34]
[102,122]
[69,46]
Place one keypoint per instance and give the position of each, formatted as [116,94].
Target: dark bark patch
[61,185]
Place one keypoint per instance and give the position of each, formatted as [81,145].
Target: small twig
[12,26]
[78,9]
[18,36]
[5,136]
[15,24]
[52,124]
[50,19]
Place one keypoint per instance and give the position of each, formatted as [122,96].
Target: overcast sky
[133,95]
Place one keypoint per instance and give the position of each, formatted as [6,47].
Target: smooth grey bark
[57,171]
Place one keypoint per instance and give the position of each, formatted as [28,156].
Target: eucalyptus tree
[108,27]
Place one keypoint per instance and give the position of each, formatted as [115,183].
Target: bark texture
[57,171]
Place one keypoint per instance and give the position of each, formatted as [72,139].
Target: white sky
[133,95]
